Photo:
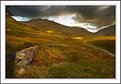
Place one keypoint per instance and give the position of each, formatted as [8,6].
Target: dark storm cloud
[85,11]
[110,11]
[100,15]
[36,11]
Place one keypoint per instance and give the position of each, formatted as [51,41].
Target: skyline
[91,18]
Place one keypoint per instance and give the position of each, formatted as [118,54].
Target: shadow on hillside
[10,60]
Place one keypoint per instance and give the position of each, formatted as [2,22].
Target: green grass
[68,62]
[76,71]
[83,69]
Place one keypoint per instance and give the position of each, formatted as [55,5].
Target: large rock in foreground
[37,56]
[23,59]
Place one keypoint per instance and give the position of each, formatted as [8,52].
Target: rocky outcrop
[27,57]
[23,59]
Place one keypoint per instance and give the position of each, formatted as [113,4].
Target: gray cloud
[36,11]
[99,15]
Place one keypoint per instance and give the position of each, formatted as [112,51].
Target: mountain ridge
[68,55]
[106,31]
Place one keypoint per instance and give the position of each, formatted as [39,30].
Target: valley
[61,51]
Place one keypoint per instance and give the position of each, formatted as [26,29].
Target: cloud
[36,11]
[98,15]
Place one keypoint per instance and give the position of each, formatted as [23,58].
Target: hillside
[45,49]
[108,31]
[44,25]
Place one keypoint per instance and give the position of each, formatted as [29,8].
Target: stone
[23,59]
[21,72]
[20,55]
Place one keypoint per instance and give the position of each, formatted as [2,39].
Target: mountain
[108,31]
[39,31]
[45,25]
[44,49]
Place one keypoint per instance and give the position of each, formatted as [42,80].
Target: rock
[21,72]
[23,59]
[20,55]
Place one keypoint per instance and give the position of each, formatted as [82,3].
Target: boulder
[23,59]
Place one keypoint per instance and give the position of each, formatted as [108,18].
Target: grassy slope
[60,29]
[108,45]
[22,36]
[73,60]
[70,62]
[104,42]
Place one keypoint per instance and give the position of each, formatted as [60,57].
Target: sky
[92,18]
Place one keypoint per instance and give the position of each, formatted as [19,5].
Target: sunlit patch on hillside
[105,38]
[49,31]
[79,38]
[108,38]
